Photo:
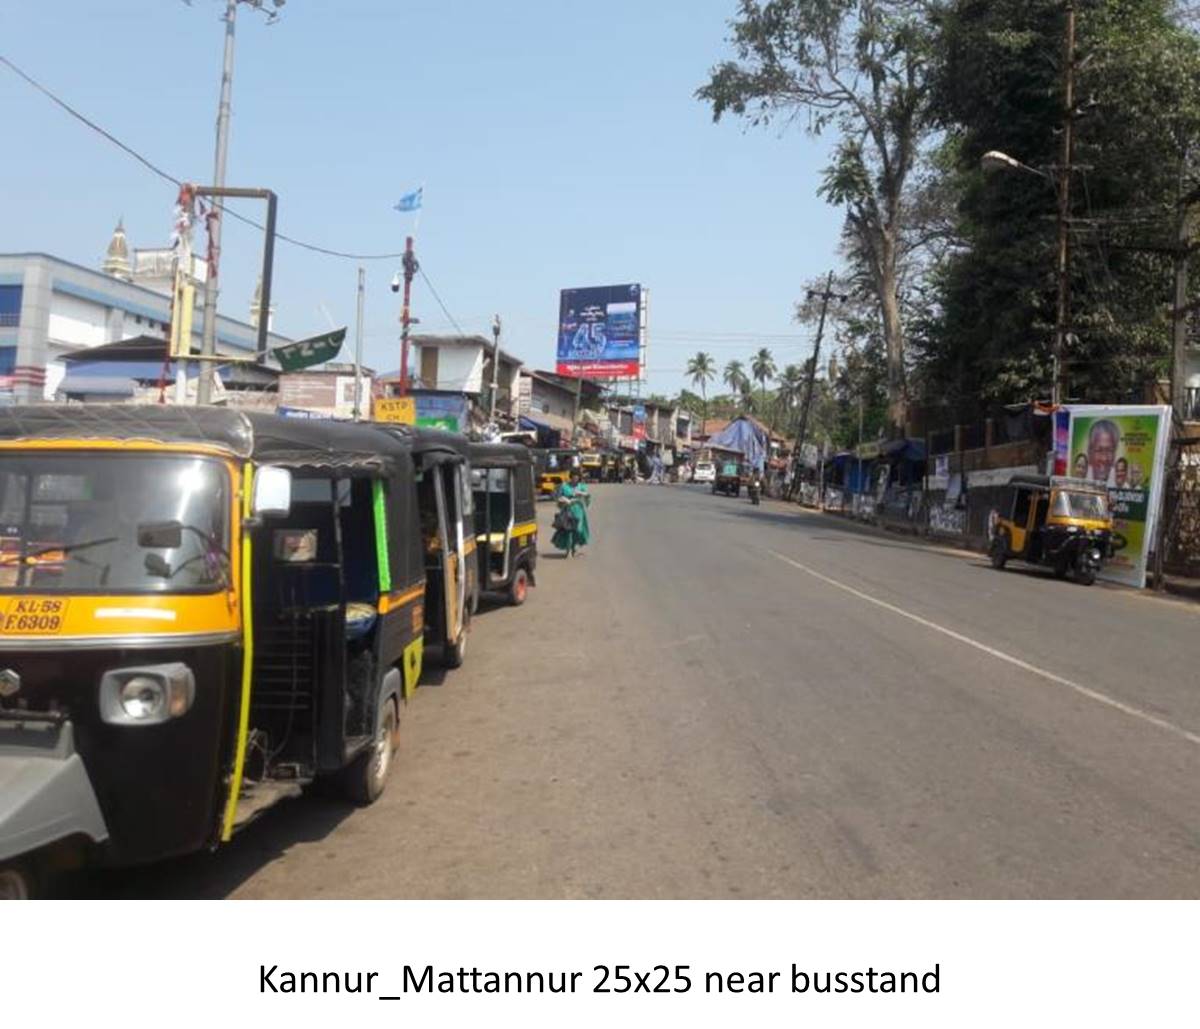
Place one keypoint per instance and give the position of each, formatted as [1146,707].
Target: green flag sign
[307,352]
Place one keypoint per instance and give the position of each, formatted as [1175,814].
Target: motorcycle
[755,491]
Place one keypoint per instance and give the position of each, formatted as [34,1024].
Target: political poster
[1125,449]
[599,332]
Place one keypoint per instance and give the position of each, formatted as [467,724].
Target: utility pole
[208,346]
[825,296]
[358,345]
[410,269]
[1063,307]
[1181,310]
[495,368]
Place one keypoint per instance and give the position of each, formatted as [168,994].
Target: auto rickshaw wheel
[366,777]
[999,551]
[519,590]
[456,652]
[17,882]
[1085,574]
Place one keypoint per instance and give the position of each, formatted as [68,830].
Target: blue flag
[411,201]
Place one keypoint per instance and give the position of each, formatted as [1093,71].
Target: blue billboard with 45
[599,331]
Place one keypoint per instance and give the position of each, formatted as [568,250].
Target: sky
[559,144]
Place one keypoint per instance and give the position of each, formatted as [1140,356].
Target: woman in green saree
[571,528]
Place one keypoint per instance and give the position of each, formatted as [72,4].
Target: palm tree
[701,369]
[735,378]
[762,366]
[791,389]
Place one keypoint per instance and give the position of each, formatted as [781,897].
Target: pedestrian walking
[571,527]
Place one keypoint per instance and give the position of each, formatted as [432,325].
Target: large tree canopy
[859,67]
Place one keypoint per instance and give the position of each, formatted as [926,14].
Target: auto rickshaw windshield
[1070,504]
[114,522]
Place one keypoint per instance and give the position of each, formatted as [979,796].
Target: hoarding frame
[572,302]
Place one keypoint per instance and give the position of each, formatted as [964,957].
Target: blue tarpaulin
[746,437]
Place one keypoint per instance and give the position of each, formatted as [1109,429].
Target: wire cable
[437,297]
[167,176]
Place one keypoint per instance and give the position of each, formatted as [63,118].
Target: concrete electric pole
[825,296]
[208,348]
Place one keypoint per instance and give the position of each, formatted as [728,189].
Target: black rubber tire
[456,652]
[364,780]
[1085,576]
[518,589]
[17,881]
[998,551]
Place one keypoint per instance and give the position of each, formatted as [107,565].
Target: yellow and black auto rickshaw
[1058,522]
[554,467]
[505,518]
[591,465]
[443,475]
[201,611]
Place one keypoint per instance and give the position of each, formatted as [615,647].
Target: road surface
[719,700]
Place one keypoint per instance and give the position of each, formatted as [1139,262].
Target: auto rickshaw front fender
[45,793]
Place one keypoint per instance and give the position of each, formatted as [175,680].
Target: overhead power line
[168,177]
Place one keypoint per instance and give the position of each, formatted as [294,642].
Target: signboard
[327,394]
[396,410]
[599,331]
[1125,449]
[307,352]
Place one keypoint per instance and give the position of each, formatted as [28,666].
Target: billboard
[599,332]
[1124,448]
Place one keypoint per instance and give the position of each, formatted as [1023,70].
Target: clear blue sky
[559,144]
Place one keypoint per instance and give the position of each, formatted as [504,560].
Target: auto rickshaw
[505,519]
[729,477]
[591,466]
[201,612]
[443,475]
[1055,521]
[554,467]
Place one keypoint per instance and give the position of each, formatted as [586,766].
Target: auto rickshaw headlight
[148,695]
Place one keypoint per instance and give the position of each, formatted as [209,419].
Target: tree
[789,393]
[702,369]
[762,367]
[860,66]
[998,86]
[735,378]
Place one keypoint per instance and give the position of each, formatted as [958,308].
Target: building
[50,308]
[463,364]
[550,403]
[327,391]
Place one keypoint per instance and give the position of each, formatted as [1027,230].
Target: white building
[50,307]
[463,364]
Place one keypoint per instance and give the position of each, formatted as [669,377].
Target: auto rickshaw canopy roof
[1045,483]
[249,435]
[499,455]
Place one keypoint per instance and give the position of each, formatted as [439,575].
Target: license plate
[34,616]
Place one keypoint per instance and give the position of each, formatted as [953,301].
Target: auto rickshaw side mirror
[272,492]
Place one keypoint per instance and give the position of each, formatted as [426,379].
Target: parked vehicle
[505,519]
[705,471]
[1058,522]
[204,611]
[442,463]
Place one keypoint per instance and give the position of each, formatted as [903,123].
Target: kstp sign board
[396,410]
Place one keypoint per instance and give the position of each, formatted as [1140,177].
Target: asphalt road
[719,700]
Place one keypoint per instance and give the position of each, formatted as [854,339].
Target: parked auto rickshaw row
[203,611]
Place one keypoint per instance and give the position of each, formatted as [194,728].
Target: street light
[495,366]
[208,347]
[997,160]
